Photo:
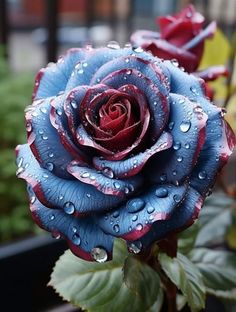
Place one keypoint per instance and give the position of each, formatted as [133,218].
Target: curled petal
[133,220]
[55,192]
[106,185]
[82,234]
[212,73]
[133,165]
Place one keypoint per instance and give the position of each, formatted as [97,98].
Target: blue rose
[120,144]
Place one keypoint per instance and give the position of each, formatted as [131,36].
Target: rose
[181,37]
[120,144]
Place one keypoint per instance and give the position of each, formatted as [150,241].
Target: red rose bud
[181,37]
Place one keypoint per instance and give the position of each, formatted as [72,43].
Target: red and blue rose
[120,144]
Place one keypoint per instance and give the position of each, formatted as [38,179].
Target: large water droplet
[150,209]
[176,145]
[76,239]
[99,254]
[49,166]
[108,172]
[69,208]
[116,214]
[134,247]
[135,205]
[185,126]
[161,192]
[116,228]
[113,45]
[202,175]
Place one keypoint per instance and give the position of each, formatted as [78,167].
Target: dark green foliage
[15,94]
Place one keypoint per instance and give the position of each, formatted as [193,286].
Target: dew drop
[43,110]
[181,101]
[51,217]
[108,172]
[116,214]
[194,90]
[137,49]
[135,205]
[177,145]
[56,235]
[50,155]
[20,162]
[45,137]
[59,112]
[187,145]
[32,199]
[134,247]
[49,166]
[175,62]
[129,72]
[202,175]
[28,127]
[40,131]
[73,104]
[185,126]
[134,218]
[76,239]
[127,60]
[99,254]
[174,172]
[85,174]
[177,198]
[19,171]
[74,229]
[69,208]
[163,177]
[117,185]
[113,45]
[150,209]
[139,227]
[116,228]
[161,192]
[171,125]
[179,158]
[88,195]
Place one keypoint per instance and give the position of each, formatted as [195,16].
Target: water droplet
[85,174]
[127,60]
[28,126]
[74,229]
[20,162]
[99,254]
[50,155]
[163,177]
[137,49]
[198,109]
[181,101]
[223,111]
[171,125]
[59,112]
[174,172]
[176,145]
[187,145]
[56,234]
[76,239]
[134,247]
[113,45]
[139,227]
[51,217]
[179,158]
[80,71]
[69,208]
[177,198]
[116,214]
[88,195]
[32,199]
[135,205]
[85,64]
[43,110]
[129,72]
[161,192]
[185,126]
[44,137]
[202,175]
[135,218]
[116,228]
[175,62]
[19,171]
[49,166]
[194,90]
[40,131]
[45,175]
[127,190]
[73,104]
[117,185]
[108,172]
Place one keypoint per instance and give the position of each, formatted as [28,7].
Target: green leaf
[99,287]
[186,239]
[218,268]
[142,280]
[180,302]
[186,276]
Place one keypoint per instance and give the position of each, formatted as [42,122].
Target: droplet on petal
[161,192]
[176,145]
[69,208]
[99,254]
[76,239]
[49,166]
[202,175]
[135,205]
[177,198]
[185,126]
[108,172]
[116,228]
[113,45]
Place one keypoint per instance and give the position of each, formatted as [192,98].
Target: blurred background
[34,33]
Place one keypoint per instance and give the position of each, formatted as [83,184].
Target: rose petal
[133,220]
[133,165]
[212,73]
[187,125]
[82,235]
[105,184]
[53,79]
[182,217]
[59,193]
[41,134]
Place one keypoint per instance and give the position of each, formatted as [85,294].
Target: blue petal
[105,184]
[53,79]
[56,192]
[82,234]
[181,218]
[134,164]
[44,140]
[187,125]
[133,220]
